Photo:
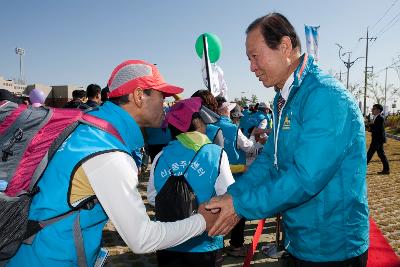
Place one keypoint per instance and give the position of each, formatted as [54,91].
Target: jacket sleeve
[259,170]
[319,151]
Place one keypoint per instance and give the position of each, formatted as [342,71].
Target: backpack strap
[35,227]
[79,245]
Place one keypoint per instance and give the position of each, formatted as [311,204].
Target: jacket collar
[306,65]
[123,122]
[225,118]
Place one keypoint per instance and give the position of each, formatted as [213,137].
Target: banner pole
[205,51]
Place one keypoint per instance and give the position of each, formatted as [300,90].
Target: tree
[254,99]
[356,91]
[242,101]
[376,90]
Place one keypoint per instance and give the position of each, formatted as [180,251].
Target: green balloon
[214,46]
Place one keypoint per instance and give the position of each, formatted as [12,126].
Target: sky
[81,41]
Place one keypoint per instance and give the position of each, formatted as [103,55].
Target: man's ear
[286,46]
[137,97]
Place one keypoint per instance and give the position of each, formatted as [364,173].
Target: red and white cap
[132,74]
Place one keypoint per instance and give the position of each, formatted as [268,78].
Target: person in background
[78,100]
[205,167]
[377,129]
[93,94]
[236,146]
[311,170]
[104,94]
[6,95]
[156,140]
[213,132]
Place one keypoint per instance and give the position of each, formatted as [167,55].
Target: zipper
[16,137]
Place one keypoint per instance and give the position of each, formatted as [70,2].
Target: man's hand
[209,216]
[227,218]
[262,140]
[261,131]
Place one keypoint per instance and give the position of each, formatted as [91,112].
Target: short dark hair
[104,94]
[207,98]
[92,90]
[124,99]
[273,27]
[220,100]
[378,106]
[78,94]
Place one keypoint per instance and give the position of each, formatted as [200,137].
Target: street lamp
[21,52]
[347,64]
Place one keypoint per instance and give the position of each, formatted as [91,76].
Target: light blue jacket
[318,182]
[54,245]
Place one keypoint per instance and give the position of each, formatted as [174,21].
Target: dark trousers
[153,150]
[359,261]
[237,234]
[378,147]
[166,258]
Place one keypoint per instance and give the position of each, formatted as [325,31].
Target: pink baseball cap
[132,74]
[180,115]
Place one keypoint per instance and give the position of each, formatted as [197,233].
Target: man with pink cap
[93,177]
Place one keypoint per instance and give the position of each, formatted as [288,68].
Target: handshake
[219,214]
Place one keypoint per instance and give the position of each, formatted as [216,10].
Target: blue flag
[312,39]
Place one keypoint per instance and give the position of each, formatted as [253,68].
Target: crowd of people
[302,157]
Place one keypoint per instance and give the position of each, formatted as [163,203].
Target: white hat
[228,105]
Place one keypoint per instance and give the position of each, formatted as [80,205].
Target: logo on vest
[286,123]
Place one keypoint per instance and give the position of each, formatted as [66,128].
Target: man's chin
[155,124]
[267,84]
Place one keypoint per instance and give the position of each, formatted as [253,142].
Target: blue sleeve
[318,153]
[137,156]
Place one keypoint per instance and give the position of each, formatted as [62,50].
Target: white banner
[312,39]
[218,84]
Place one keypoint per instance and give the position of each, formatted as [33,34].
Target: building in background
[61,94]
[12,86]
[56,95]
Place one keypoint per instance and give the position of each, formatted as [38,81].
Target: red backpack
[29,137]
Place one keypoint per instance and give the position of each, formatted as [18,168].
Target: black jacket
[377,129]
[92,103]
[76,104]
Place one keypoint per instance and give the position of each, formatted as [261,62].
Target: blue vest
[201,175]
[54,245]
[230,132]
[211,131]
[247,122]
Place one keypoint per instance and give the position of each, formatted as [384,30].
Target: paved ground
[384,201]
